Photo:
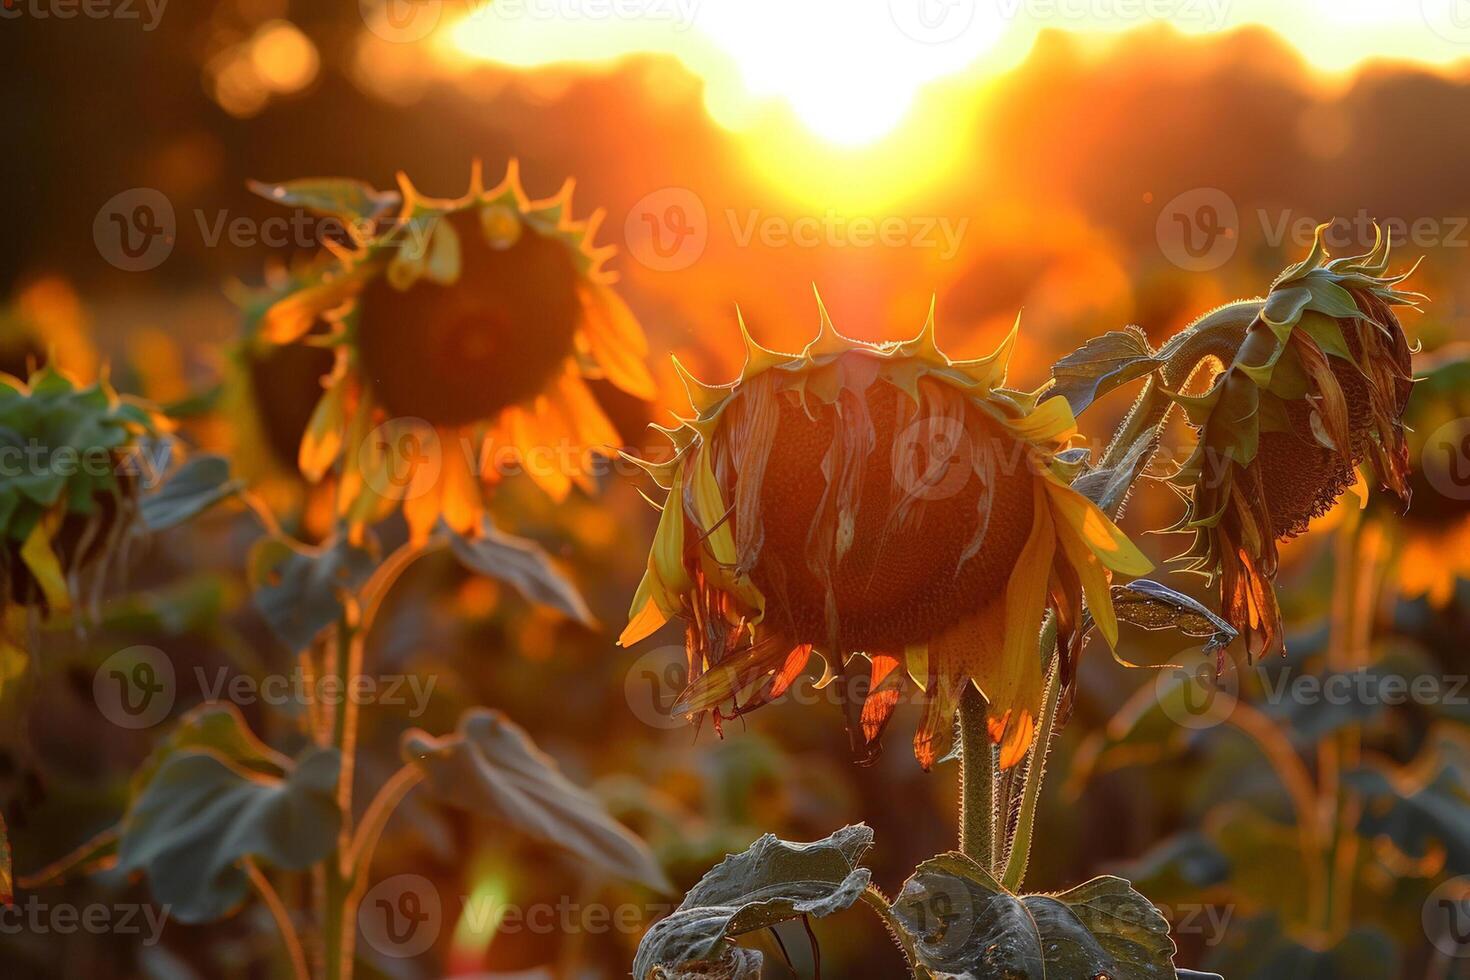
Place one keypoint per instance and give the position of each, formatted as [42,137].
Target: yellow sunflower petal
[1101,535]
[291,317]
[1052,421]
[43,564]
[443,262]
[526,435]
[710,505]
[616,341]
[461,502]
[1090,572]
[322,440]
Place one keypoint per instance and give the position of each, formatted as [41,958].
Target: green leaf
[299,591]
[199,484]
[964,925]
[1101,365]
[201,816]
[492,767]
[1417,813]
[770,882]
[335,197]
[215,727]
[522,564]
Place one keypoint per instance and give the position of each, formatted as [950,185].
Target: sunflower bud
[1316,389]
[883,501]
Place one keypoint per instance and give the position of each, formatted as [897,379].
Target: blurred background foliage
[1062,165]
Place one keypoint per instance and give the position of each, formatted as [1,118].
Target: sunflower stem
[977,780]
[1020,846]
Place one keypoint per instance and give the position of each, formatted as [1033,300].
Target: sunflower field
[578,489]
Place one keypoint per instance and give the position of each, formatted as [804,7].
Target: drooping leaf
[1101,365]
[219,728]
[200,816]
[1152,606]
[299,592]
[964,925]
[490,766]
[335,197]
[200,483]
[522,563]
[771,881]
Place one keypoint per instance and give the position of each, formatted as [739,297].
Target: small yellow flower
[881,500]
[1317,388]
[474,324]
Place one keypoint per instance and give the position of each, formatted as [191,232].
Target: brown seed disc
[453,355]
[1302,479]
[898,584]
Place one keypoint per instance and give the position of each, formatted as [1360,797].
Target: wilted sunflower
[1433,537]
[1316,389]
[881,500]
[268,395]
[474,323]
[67,495]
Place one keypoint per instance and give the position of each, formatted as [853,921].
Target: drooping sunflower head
[466,329]
[68,485]
[1317,388]
[883,501]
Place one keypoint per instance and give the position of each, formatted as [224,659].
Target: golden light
[835,98]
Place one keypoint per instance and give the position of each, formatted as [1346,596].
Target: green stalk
[339,935]
[1020,846]
[977,780]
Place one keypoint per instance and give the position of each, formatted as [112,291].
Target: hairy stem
[1019,855]
[875,900]
[977,781]
[282,916]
